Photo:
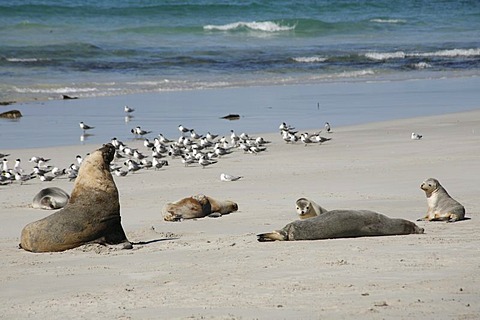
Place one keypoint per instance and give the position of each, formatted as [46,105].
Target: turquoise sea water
[96,48]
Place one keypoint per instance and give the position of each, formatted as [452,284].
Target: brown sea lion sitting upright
[441,207]
[342,224]
[91,215]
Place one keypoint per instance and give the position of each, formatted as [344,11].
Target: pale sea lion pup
[91,215]
[50,198]
[308,208]
[441,207]
[342,224]
[197,206]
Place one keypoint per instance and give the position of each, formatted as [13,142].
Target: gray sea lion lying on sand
[50,198]
[91,215]
[342,224]
[441,207]
[198,206]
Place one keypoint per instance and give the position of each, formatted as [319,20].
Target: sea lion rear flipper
[272,236]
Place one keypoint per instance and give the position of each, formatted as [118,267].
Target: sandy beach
[214,268]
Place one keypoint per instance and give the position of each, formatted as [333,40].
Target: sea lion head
[94,177]
[302,206]
[108,152]
[48,202]
[430,185]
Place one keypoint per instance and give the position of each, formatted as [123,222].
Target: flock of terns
[191,148]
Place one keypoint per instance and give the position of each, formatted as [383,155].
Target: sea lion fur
[308,208]
[197,206]
[91,215]
[50,198]
[441,206]
[342,224]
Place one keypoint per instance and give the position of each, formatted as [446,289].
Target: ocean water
[87,48]
[190,62]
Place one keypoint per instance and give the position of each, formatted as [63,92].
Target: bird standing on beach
[229,177]
[85,127]
[17,168]
[328,128]
[128,110]
[183,130]
[416,136]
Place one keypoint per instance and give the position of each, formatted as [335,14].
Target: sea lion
[441,207]
[50,198]
[91,215]
[308,208]
[342,224]
[197,206]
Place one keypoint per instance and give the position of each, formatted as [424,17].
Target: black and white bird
[17,167]
[328,128]
[203,161]
[416,136]
[128,110]
[183,129]
[38,159]
[120,173]
[139,131]
[85,127]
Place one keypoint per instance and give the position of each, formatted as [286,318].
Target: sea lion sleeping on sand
[441,207]
[50,198]
[342,224]
[91,215]
[198,206]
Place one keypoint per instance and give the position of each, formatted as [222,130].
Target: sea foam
[312,59]
[266,26]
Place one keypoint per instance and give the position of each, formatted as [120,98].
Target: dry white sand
[215,268]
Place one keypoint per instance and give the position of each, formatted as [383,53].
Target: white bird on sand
[203,161]
[211,136]
[195,135]
[45,178]
[305,139]
[120,173]
[17,167]
[416,136]
[139,131]
[127,109]
[327,127]
[229,177]
[85,127]
[5,165]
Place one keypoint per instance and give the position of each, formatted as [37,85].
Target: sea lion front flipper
[215,215]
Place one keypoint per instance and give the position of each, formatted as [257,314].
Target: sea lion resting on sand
[308,208]
[342,224]
[50,198]
[441,207]
[91,215]
[198,206]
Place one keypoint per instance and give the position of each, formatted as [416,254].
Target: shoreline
[261,109]
[376,78]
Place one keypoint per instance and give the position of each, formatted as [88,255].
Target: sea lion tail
[272,236]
